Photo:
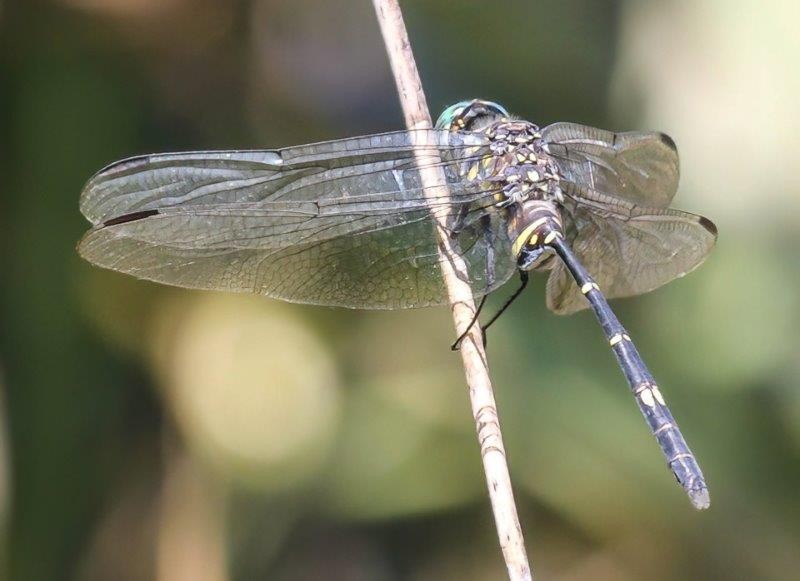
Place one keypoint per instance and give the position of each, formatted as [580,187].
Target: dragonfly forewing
[309,173]
[343,223]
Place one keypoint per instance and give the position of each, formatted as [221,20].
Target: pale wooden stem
[484,409]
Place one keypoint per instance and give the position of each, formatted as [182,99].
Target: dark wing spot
[708,225]
[668,141]
[132,217]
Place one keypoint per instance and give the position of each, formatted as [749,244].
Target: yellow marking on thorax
[527,235]
[552,236]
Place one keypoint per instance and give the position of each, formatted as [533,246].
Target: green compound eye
[449,115]
[466,111]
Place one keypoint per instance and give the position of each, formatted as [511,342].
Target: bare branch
[484,409]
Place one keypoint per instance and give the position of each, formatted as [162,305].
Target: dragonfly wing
[629,254]
[640,167]
[343,168]
[378,268]
[343,223]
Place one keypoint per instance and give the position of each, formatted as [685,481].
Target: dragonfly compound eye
[464,114]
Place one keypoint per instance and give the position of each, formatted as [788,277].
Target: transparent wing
[629,251]
[344,223]
[357,166]
[640,167]
[387,268]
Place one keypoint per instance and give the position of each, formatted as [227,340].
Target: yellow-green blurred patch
[251,386]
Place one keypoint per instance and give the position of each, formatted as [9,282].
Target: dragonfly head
[471,115]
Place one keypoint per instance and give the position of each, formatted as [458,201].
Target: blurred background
[153,433]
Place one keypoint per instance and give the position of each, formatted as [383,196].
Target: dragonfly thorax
[515,165]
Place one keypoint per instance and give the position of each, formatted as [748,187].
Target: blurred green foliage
[150,432]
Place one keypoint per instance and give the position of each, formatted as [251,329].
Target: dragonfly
[350,223]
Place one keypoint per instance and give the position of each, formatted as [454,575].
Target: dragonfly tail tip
[700,498]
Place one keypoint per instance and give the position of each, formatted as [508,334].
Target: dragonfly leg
[523,278]
[459,221]
[488,236]
[651,402]
[457,343]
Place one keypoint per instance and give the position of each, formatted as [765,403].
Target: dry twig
[484,409]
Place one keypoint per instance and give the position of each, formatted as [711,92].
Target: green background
[155,433]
